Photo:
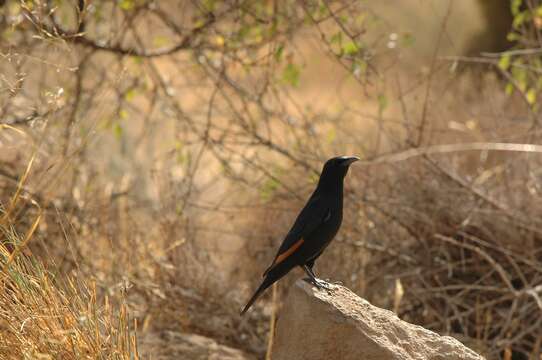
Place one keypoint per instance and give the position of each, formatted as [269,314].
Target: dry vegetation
[152,154]
[50,316]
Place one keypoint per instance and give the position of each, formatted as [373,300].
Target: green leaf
[209,5]
[130,95]
[360,19]
[243,32]
[519,19]
[515,6]
[531,96]
[337,38]
[331,136]
[350,48]
[117,130]
[382,103]
[513,36]
[509,89]
[127,5]
[520,75]
[290,75]
[323,11]
[407,40]
[279,52]
[199,23]
[182,158]
[269,188]
[504,62]
[8,33]
[161,41]
[123,114]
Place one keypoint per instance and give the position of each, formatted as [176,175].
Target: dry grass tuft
[50,316]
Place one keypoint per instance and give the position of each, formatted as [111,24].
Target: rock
[317,324]
[174,345]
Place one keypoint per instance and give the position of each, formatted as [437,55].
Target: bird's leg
[311,279]
[310,265]
[320,284]
[310,272]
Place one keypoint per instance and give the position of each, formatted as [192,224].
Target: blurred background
[153,154]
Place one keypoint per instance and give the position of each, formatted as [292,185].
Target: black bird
[313,229]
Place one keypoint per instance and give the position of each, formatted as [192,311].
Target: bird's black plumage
[314,228]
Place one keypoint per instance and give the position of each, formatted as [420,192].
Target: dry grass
[45,314]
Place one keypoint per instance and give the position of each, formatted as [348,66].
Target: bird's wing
[314,214]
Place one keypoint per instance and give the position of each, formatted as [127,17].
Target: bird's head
[336,168]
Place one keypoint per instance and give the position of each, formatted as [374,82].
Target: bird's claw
[323,285]
[319,284]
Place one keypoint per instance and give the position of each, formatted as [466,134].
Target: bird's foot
[319,284]
[334,282]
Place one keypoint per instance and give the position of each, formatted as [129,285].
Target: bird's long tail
[264,285]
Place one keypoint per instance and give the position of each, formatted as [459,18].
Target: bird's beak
[347,160]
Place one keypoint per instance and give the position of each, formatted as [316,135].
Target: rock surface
[317,324]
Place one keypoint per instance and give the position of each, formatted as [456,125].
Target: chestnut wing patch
[314,214]
[283,256]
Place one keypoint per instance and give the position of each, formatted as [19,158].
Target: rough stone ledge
[338,324]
